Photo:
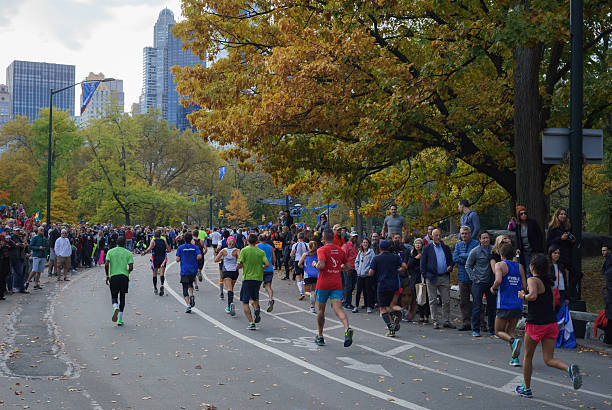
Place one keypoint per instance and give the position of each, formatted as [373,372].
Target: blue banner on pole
[88,90]
[222,171]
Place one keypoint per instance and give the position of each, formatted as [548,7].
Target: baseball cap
[384,244]
[337,226]
[353,233]
[64,231]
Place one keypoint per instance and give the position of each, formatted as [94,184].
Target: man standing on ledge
[119,263]
[394,223]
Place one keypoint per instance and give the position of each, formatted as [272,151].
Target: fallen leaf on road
[417,380]
[115,374]
[146,398]
[115,358]
[198,366]
[445,388]
[459,394]
[255,394]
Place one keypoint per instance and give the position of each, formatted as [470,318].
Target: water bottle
[588,333]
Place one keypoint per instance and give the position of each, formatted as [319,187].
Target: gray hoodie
[363,262]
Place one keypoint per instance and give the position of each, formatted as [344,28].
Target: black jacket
[553,237]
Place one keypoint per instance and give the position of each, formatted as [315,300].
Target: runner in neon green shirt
[253,261]
[119,262]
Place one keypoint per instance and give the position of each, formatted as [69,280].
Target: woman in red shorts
[541,325]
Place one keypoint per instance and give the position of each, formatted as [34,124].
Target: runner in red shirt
[331,260]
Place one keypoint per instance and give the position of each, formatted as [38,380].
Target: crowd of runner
[405,277]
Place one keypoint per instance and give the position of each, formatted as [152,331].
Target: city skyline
[93,37]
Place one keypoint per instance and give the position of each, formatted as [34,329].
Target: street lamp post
[52,92]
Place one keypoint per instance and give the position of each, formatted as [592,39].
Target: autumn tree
[237,211]
[63,207]
[331,94]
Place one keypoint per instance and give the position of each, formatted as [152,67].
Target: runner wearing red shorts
[542,325]
[331,260]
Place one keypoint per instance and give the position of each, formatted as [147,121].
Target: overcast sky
[94,35]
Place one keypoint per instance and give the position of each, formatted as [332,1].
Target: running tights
[230,297]
[186,287]
[162,278]
[121,295]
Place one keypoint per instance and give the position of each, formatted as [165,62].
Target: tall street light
[52,92]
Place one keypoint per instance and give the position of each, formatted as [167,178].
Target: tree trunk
[527,128]
[127,217]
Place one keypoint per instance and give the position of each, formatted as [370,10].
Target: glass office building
[5,105]
[29,84]
[159,87]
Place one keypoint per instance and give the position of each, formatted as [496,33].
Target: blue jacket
[460,255]
[429,263]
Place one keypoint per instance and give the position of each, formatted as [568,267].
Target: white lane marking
[511,385]
[289,312]
[364,367]
[297,361]
[422,347]
[399,349]
[334,327]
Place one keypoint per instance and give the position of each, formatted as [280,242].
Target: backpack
[601,322]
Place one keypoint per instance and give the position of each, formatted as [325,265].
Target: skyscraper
[29,84]
[5,105]
[105,94]
[159,87]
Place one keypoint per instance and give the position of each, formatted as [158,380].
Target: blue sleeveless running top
[309,270]
[507,294]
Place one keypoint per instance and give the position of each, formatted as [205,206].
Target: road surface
[60,350]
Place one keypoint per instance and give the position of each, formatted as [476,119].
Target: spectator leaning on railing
[436,265]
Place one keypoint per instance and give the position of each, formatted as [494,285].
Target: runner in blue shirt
[269,271]
[188,255]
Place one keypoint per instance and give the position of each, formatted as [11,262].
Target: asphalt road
[59,349]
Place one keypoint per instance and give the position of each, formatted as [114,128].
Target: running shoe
[221,296]
[120,322]
[491,332]
[257,316]
[227,310]
[475,333]
[516,348]
[396,322]
[348,337]
[232,309]
[436,325]
[515,362]
[574,374]
[301,297]
[312,309]
[349,307]
[522,391]
[27,285]
[390,333]
[200,277]
[252,326]
[155,291]
[115,314]
[37,287]
[369,310]
[197,288]
[319,341]
[188,309]
[191,301]
[161,291]
[270,305]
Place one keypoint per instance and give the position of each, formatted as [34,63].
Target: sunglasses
[523,213]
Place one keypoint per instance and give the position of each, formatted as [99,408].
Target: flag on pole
[88,90]
[222,172]
[37,216]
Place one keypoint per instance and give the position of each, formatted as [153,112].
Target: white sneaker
[369,310]
[312,309]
